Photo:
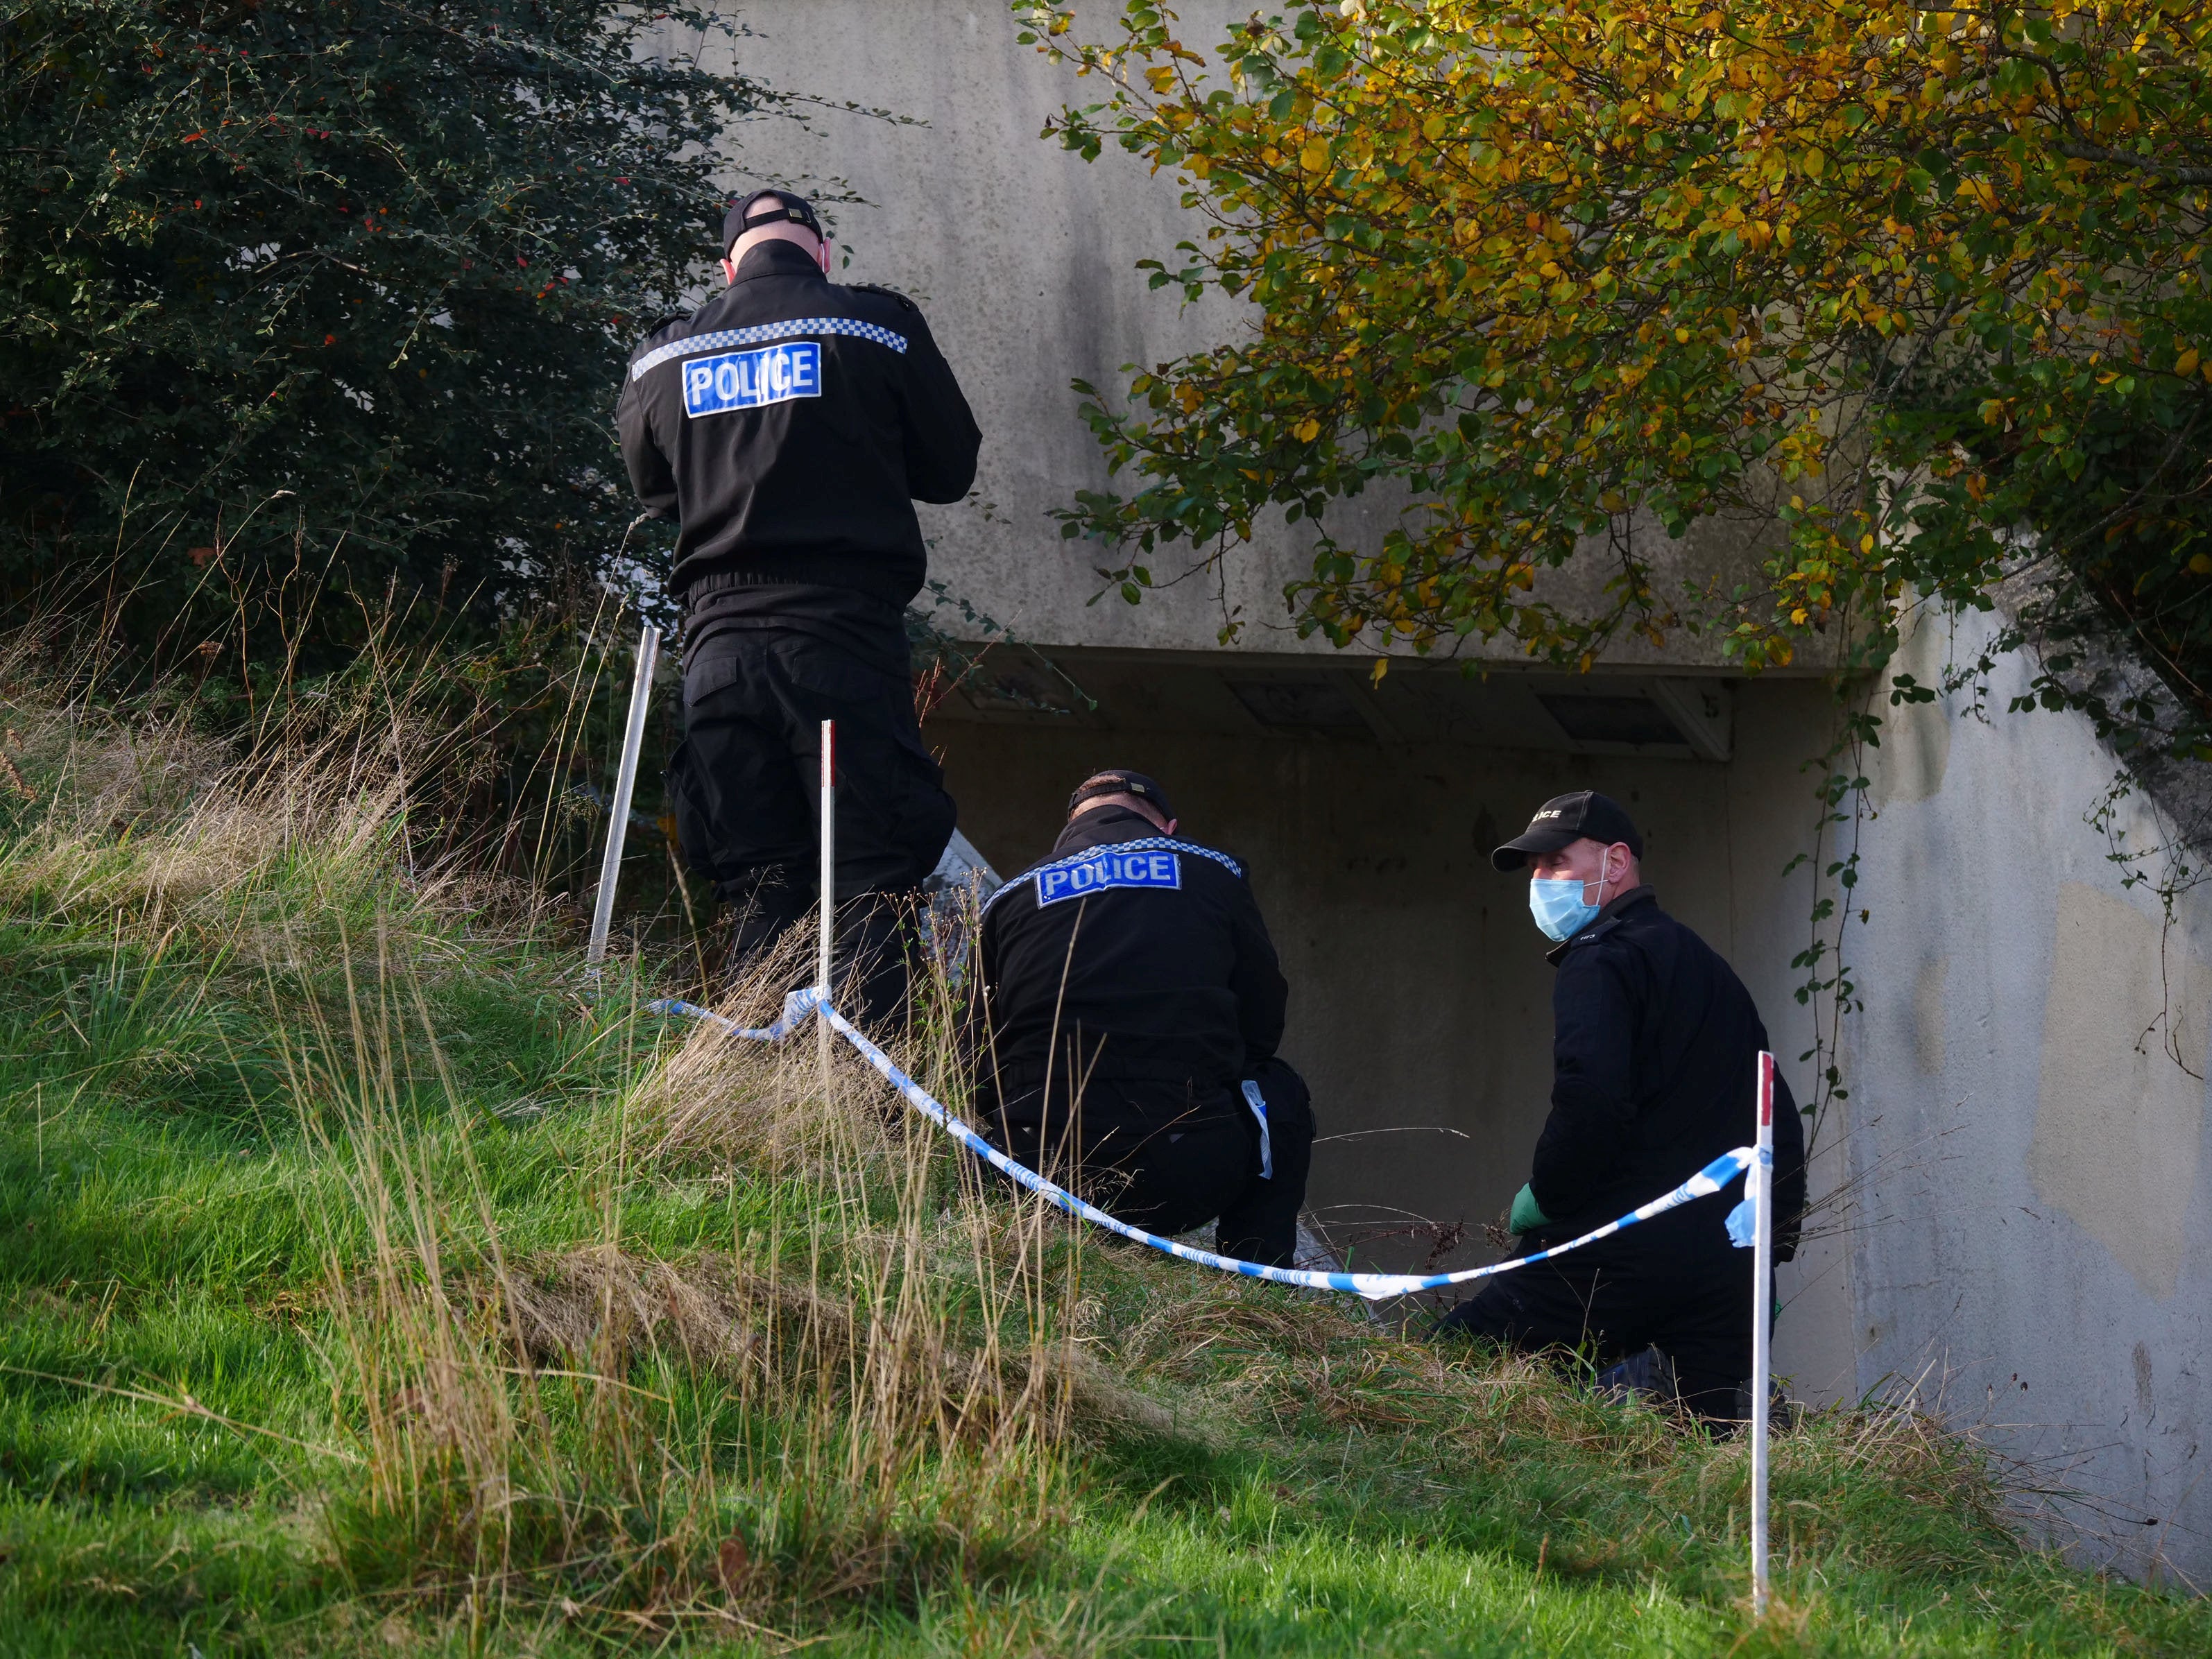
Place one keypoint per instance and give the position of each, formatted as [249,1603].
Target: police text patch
[751,379]
[1108,867]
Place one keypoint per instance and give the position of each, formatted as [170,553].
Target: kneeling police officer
[1126,1018]
[788,425]
[1654,1045]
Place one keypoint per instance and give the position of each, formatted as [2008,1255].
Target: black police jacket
[788,425]
[1126,957]
[1654,1050]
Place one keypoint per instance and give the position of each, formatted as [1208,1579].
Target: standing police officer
[787,426]
[1654,1045]
[1130,1005]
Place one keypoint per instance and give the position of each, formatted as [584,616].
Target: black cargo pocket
[693,834]
[710,674]
[829,674]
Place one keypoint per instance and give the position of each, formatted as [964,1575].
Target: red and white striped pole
[829,892]
[1762,1326]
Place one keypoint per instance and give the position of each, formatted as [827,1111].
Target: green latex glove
[1526,1216]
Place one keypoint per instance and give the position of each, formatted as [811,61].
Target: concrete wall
[2033,1239]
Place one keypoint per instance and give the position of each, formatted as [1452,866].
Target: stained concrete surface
[2031,1242]
[2120,1103]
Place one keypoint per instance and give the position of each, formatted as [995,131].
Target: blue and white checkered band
[752,379]
[1052,887]
[798,328]
[1109,866]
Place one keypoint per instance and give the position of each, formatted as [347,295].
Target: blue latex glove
[1526,1216]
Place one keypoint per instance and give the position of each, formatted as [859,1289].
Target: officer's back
[1129,956]
[1652,1076]
[1130,1008]
[787,425]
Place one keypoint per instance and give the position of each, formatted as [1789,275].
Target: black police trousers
[1136,1164]
[745,782]
[1674,1283]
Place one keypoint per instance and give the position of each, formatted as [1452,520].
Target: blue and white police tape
[796,1007]
[1374,1286]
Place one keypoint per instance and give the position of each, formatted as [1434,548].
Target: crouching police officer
[1126,1015]
[1654,1049]
[787,426]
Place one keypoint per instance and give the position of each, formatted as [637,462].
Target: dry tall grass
[862,1388]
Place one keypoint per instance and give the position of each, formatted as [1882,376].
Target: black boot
[872,961]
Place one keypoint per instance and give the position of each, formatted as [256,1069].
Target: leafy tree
[1899,285]
[343,285]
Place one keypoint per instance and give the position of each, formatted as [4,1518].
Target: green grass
[368,1287]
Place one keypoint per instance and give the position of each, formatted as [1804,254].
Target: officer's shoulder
[890,293]
[1213,855]
[1603,939]
[1643,933]
[661,330]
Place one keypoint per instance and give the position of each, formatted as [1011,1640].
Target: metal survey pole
[829,893]
[1762,1327]
[641,693]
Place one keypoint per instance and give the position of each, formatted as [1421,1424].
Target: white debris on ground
[953,894]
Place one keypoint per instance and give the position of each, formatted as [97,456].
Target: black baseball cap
[1115,782]
[1565,819]
[784,208]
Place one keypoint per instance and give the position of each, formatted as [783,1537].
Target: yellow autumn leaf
[1559,190]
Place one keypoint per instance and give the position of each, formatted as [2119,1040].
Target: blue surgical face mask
[1560,907]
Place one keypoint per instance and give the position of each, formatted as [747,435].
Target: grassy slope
[208,1073]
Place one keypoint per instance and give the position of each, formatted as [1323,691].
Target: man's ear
[729,272]
[1169,826]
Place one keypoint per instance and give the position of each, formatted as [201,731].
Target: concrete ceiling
[1414,705]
